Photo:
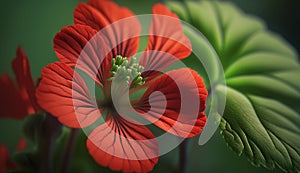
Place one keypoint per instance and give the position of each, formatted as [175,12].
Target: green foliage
[261,117]
[42,131]
[48,145]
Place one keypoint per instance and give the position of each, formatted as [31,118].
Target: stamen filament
[127,71]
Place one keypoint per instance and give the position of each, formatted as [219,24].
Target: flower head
[17,102]
[122,143]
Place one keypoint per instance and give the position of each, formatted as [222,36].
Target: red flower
[6,164]
[119,143]
[17,102]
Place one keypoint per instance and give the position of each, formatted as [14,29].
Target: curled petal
[123,146]
[63,93]
[175,102]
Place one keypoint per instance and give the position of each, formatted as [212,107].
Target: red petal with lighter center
[63,93]
[167,42]
[184,95]
[123,146]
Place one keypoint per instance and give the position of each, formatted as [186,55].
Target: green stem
[51,130]
[69,150]
[182,156]
[48,155]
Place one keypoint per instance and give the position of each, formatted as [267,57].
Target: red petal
[167,42]
[21,69]
[123,35]
[115,38]
[21,145]
[63,93]
[78,46]
[69,44]
[184,95]
[99,14]
[12,104]
[123,146]
[70,41]
[6,163]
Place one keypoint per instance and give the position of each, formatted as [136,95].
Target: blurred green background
[33,24]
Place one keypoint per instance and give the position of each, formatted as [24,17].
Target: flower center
[128,71]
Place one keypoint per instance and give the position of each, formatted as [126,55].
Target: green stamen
[127,71]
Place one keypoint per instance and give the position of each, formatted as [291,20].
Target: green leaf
[259,63]
[262,114]
[256,126]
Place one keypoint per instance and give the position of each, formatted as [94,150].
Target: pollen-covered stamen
[127,71]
